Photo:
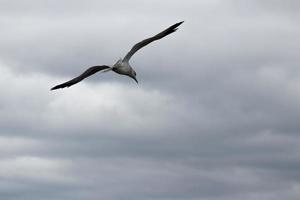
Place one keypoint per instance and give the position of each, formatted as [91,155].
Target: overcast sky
[215,115]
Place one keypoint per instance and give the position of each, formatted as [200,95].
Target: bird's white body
[122,67]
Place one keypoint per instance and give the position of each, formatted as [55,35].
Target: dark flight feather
[90,71]
[158,36]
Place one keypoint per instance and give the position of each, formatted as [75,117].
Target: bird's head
[133,76]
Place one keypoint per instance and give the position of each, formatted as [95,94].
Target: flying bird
[122,66]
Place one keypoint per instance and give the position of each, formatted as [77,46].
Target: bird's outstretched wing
[90,71]
[143,43]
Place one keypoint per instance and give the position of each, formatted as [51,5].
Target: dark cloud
[215,115]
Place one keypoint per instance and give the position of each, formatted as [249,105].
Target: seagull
[122,66]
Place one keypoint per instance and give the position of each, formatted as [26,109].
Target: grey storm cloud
[215,115]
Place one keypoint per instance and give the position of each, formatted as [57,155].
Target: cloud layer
[215,115]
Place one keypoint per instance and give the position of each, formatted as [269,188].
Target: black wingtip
[59,87]
[177,24]
[173,28]
[54,88]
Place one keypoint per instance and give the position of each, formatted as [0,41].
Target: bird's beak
[135,79]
